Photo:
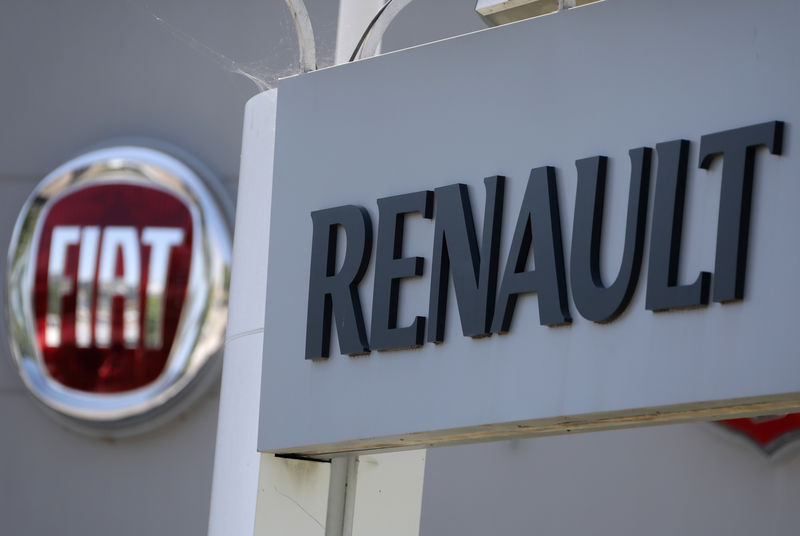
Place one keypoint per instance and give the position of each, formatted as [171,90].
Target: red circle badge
[117,288]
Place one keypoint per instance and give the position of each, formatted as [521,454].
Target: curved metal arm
[305,35]
[374,34]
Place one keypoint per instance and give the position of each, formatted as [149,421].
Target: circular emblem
[771,433]
[117,289]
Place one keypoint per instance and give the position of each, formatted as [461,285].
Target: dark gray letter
[733,227]
[391,267]
[663,291]
[538,222]
[474,273]
[593,300]
[337,293]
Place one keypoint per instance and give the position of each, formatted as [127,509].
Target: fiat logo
[117,289]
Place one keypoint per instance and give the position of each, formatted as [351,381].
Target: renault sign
[516,232]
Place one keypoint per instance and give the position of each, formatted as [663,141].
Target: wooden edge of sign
[589,422]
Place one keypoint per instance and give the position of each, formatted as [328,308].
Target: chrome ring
[200,330]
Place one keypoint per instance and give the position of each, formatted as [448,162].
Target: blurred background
[78,73]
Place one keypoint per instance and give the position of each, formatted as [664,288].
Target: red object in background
[116,368]
[770,432]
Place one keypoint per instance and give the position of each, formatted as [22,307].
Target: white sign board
[693,106]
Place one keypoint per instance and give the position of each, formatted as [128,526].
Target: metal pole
[341,496]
